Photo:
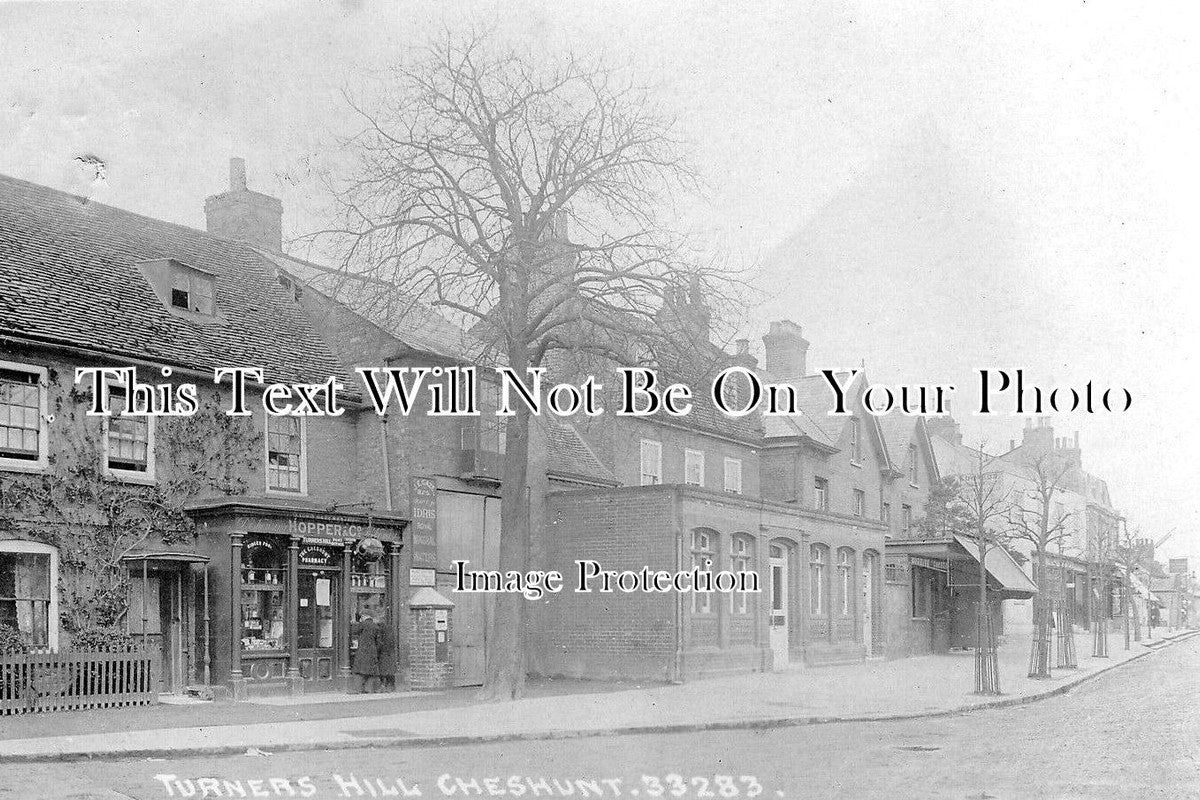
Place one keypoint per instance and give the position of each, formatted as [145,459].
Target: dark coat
[376,654]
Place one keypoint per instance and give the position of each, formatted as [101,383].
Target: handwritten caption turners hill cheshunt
[455,392]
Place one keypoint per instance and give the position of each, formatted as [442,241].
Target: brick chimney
[787,351]
[245,215]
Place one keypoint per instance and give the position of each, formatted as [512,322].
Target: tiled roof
[571,456]
[815,399]
[404,318]
[69,275]
[899,430]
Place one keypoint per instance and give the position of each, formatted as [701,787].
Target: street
[1134,732]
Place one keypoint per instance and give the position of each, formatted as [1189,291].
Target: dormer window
[191,290]
[182,288]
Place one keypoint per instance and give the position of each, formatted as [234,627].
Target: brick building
[252,544]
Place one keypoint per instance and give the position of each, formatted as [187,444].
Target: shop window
[703,550]
[892,572]
[28,587]
[740,558]
[287,468]
[264,579]
[129,441]
[23,433]
[368,583]
[693,467]
[845,580]
[818,586]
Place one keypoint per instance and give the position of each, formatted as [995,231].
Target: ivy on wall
[94,519]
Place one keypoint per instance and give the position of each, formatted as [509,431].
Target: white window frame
[740,560]
[913,456]
[704,549]
[43,460]
[821,494]
[860,503]
[654,447]
[733,469]
[275,491]
[845,565]
[693,458]
[855,441]
[25,546]
[128,475]
[818,570]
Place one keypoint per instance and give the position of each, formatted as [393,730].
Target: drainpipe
[677,666]
[383,444]
[387,467]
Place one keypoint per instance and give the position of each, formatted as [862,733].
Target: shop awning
[166,556]
[1010,580]
[1014,583]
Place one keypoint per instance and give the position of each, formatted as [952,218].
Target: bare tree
[1043,526]
[985,502]
[1129,555]
[521,196]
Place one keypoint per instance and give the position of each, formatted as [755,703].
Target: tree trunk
[504,673]
[987,663]
[1039,657]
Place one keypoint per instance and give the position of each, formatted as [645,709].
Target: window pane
[20,415]
[284,453]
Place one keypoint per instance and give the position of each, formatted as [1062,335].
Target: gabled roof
[900,430]
[401,317]
[69,276]
[816,400]
[570,456]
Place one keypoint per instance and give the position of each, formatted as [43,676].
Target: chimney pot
[237,174]
[244,215]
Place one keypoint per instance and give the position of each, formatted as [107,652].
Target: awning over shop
[1010,580]
[165,556]
[1014,583]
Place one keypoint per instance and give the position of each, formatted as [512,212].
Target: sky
[927,188]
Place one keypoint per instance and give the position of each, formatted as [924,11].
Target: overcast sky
[929,188]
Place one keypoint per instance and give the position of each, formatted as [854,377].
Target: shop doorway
[779,607]
[317,619]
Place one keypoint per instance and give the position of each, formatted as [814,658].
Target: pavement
[926,686]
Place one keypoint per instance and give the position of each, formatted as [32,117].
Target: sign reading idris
[423,509]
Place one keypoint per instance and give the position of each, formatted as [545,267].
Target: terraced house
[240,550]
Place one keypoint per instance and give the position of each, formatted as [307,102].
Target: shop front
[289,583]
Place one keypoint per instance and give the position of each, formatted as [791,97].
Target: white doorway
[779,607]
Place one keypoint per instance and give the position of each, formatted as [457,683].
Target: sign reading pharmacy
[423,510]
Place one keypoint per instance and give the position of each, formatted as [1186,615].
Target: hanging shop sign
[369,549]
[423,508]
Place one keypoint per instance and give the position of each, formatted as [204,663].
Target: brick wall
[596,635]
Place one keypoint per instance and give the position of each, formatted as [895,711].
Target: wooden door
[317,620]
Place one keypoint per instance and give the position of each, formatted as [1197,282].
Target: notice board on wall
[422,542]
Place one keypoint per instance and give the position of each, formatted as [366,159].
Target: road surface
[1132,733]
